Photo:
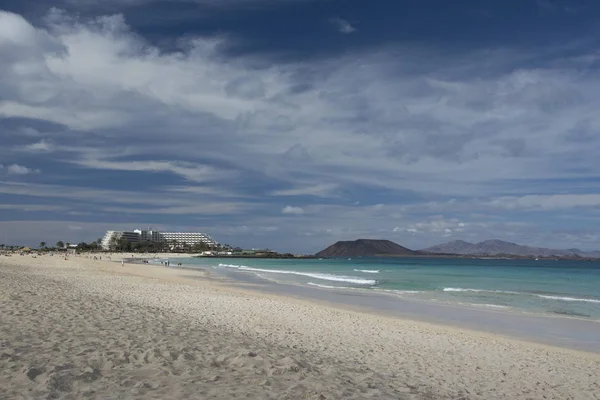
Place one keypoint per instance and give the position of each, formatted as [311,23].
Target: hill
[493,247]
[365,247]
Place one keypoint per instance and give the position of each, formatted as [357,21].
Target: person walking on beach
[122,263]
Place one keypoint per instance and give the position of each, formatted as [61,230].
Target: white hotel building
[135,236]
[190,238]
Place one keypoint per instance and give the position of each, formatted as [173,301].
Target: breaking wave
[542,296]
[568,299]
[450,289]
[315,275]
[396,291]
[327,286]
[367,271]
[490,305]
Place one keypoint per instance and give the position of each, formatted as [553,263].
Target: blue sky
[292,124]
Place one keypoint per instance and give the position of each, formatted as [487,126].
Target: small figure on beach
[122,263]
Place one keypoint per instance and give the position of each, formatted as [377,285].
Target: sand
[81,328]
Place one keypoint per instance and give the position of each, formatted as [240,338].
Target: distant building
[115,236]
[189,238]
[109,237]
[136,236]
[149,236]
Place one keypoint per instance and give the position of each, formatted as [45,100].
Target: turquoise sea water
[569,288]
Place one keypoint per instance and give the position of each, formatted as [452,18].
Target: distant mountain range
[495,247]
[365,248]
[372,247]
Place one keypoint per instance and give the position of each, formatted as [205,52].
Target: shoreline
[243,283]
[384,357]
[559,331]
[568,332]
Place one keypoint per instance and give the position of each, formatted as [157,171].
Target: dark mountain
[365,247]
[494,247]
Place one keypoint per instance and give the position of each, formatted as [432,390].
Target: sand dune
[85,329]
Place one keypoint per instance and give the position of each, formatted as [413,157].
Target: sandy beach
[84,328]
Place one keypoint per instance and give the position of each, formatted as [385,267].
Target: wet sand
[81,328]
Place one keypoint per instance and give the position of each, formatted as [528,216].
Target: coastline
[421,359]
[563,331]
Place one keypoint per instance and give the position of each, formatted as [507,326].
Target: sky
[292,124]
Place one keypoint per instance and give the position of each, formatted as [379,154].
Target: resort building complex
[137,236]
[190,238]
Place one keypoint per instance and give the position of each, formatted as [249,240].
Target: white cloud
[205,191]
[29,131]
[15,30]
[79,213]
[292,210]
[205,208]
[86,120]
[16,169]
[31,207]
[343,26]
[192,172]
[437,225]
[159,202]
[547,202]
[320,190]
[42,146]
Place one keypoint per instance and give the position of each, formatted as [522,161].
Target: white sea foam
[450,289]
[315,275]
[368,271]
[327,286]
[543,296]
[568,299]
[394,291]
[231,265]
[489,305]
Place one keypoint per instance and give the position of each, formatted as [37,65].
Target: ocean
[558,288]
